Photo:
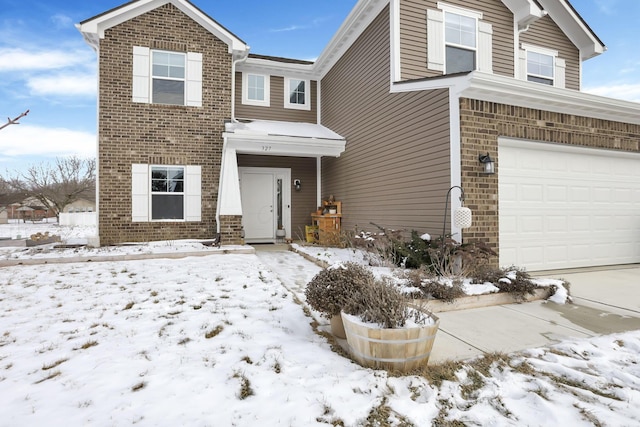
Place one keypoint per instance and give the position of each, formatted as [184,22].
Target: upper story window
[162,77]
[255,89]
[168,77]
[541,65]
[297,94]
[540,68]
[458,40]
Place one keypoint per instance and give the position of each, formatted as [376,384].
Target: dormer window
[256,89]
[296,94]
[541,65]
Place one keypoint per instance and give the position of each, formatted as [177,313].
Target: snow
[223,340]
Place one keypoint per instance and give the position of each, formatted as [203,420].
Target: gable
[93,29]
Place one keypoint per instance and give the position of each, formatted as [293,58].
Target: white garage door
[564,207]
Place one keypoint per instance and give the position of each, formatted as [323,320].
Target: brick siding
[158,134]
[481,123]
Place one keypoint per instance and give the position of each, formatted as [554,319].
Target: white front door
[266,202]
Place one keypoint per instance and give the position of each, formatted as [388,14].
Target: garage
[566,206]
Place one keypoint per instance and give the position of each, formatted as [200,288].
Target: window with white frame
[540,68]
[458,40]
[297,94]
[256,89]
[541,65]
[167,77]
[165,193]
[460,43]
[163,77]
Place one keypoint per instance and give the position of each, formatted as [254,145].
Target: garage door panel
[563,207]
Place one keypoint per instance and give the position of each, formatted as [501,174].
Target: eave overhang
[283,139]
[93,29]
[525,12]
[276,68]
[510,91]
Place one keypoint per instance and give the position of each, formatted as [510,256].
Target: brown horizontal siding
[276,110]
[413,35]
[395,170]
[546,33]
[303,202]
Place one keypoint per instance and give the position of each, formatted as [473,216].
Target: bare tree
[56,186]
[14,121]
[8,194]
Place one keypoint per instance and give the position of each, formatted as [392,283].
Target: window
[541,65]
[256,89]
[460,40]
[540,68]
[297,94]
[166,193]
[163,77]
[168,78]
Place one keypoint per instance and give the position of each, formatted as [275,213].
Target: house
[80,205]
[198,136]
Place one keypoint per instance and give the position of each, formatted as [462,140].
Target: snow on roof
[276,128]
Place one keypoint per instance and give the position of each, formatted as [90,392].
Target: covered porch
[270,178]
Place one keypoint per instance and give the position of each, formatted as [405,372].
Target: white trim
[266,102]
[564,148]
[276,145]
[274,67]
[538,49]
[455,157]
[362,14]
[446,7]
[152,77]
[396,59]
[510,91]
[94,29]
[287,94]
[318,181]
[229,201]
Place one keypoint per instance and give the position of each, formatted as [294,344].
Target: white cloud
[63,85]
[27,140]
[62,21]
[626,91]
[16,59]
[289,28]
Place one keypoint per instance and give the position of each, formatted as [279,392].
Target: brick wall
[231,230]
[481,123]
[158,134]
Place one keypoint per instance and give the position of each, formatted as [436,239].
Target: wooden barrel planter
[337,327]
[401,350]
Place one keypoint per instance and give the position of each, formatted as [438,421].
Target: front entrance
[266,203]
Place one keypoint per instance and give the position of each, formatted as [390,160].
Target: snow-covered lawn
[223,340]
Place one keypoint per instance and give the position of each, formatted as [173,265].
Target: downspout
[234,64]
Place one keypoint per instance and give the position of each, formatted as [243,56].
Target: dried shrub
[514,280]
[432,286]
[332,287]
[382,303]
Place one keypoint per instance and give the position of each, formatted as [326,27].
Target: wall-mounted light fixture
[297,184]
[488,165]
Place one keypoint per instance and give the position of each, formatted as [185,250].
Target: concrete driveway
[606,301]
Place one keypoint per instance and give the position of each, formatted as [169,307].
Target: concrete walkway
[605,301]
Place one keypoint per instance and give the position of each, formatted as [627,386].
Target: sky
[48,69]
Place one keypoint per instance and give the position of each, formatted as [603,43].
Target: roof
[93,28]
[280,59]
[278,128]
